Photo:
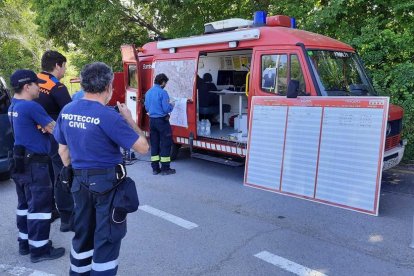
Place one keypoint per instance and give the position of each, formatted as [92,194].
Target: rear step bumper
[220,160]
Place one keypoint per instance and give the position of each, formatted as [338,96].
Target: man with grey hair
[90,135]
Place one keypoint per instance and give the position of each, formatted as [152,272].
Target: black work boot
[65,227]
[55,215]
[155,165]
[24,248]
[167,171]
[54,253]
[66,222]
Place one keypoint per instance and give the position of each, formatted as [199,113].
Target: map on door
[181,76]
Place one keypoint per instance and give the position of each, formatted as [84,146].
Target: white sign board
[324,149]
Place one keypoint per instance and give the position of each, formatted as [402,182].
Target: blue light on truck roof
[293,23]
[259,18]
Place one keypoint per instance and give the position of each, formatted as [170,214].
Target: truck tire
[175,148]
[4,176]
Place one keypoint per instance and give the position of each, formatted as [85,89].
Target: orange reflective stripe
[45,86]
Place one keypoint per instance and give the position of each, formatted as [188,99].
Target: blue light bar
[259,18]
[293,23]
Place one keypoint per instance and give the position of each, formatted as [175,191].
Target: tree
[99,28]
[381,31]
[20,47]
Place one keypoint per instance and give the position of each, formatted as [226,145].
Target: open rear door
[133,90]
[181,69]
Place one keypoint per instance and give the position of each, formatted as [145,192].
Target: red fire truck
[245,60]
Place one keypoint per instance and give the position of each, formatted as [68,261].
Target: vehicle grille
[392,142]
[393,134]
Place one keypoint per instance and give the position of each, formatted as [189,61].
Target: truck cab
[245,60]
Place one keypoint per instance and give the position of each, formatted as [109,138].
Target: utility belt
[164,118]
[23,157]
[125,198]
[119,171]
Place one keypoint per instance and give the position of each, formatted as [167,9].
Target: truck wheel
[175,148]
[4,176]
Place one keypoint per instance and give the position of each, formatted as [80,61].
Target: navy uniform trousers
[161,142]
[97,240]
[63,197]
[34,197]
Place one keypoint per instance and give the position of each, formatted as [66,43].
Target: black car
[6,135]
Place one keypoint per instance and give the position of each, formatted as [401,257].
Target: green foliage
[19,45]
[97,28]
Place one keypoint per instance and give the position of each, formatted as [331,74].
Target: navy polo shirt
[25,116]
[94,134]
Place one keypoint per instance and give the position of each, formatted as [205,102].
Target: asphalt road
[203,221]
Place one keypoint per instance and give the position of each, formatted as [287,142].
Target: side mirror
[293,89]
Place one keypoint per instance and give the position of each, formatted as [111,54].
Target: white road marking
[171,218]
[40,273]
[19,270]
[287,265]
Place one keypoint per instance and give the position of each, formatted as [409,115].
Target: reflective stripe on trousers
[38,243]
[21,212]
[98,267]
[80,261]
[23,236]
[80,269]
[105,266]
[155,158]
[39,215]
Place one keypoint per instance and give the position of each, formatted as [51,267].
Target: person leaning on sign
[53,97]
[30,169]
[158,106]
[90,135]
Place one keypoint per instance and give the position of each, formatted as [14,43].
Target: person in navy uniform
[90,135]
[30,169]
[158,106]
[53,97]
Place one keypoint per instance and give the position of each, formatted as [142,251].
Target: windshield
[340,74]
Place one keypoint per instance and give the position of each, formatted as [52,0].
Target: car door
[6,134]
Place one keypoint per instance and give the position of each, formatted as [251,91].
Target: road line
[287,265]
[171,218]
[40,273]
[19,270]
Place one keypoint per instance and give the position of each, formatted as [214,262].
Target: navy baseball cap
[22,77]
